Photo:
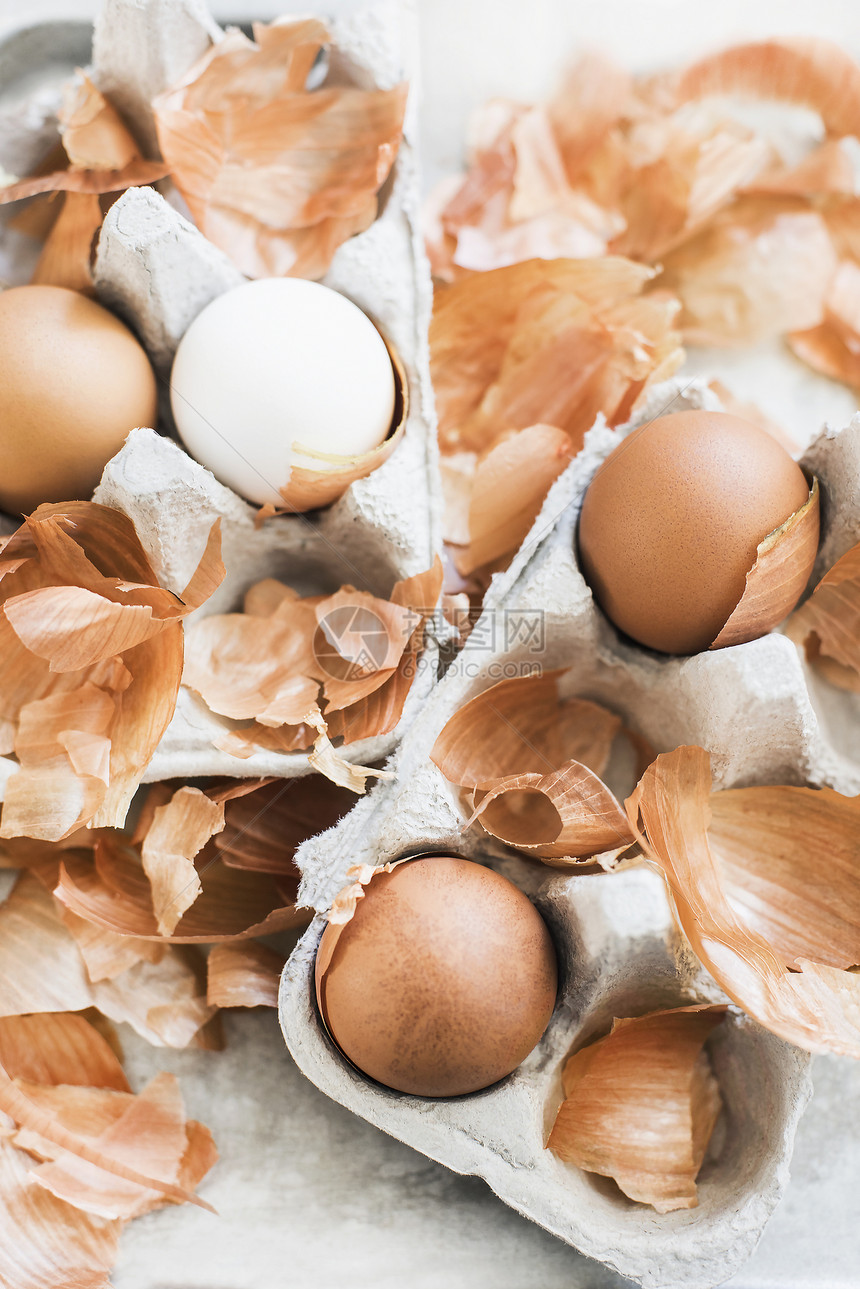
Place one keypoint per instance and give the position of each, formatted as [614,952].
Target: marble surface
[308,1196]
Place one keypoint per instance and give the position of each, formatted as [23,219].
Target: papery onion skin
[442,980]
[641,1104]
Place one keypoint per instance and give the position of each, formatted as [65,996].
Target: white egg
[272,364]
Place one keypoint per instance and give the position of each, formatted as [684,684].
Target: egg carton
[157,271]
[753,707]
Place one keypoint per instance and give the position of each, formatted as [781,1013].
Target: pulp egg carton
[619,954]
[157,271]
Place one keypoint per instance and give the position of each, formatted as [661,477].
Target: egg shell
[442,981]
[672,520]
[75,382]
[272,364]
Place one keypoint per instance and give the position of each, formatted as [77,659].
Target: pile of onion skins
[594,235]
[107,926]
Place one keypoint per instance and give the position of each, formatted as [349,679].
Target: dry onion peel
[151,1130]
[841,216]
[107,955]
[244,667]
[87,1110]
[102,154]
[244,742]
[378,712]
[803,1000]
[526,193]
[304,671]
[84,181]
[45,1242]
[694,176]
[761,268]
[345,621]
[828,624]
[777,579]
[159,994]
[30,1116]
[532,763]
[567,814]
[179,830]
[112,891]
[748,246]
[641,1104]
[37,217]
[65,257]
[70,1102]
[59,1047]
[516,202]
[326,760]
[825,351]
[264,828]
[93,651]
[164,1001]
[244,975]
[548,342]
[833,348]
[40,967]
[827,169]
[93,134]
[809,72]
[277,175]
[508,489]
[768,841]
[457,471]
[73,628]
[523,726]
[593,94]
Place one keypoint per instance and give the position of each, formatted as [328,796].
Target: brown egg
[671,522]
[73,382]
[442,982]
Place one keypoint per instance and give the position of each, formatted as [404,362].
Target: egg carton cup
[752,706]
[157,271]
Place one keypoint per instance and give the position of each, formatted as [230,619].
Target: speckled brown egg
[443,980]
[672,520]
[74,382]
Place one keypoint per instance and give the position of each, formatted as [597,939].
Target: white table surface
[308,1196]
